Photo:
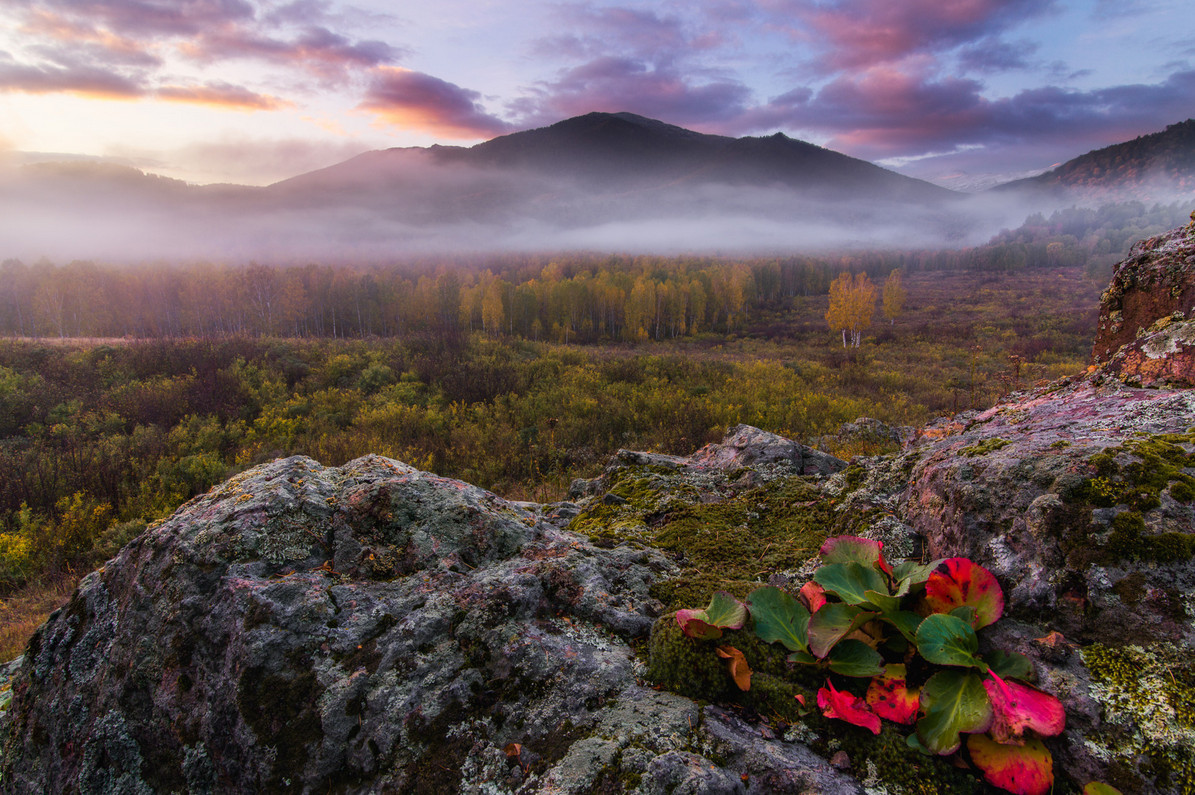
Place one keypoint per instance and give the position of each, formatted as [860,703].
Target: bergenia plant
[861,617]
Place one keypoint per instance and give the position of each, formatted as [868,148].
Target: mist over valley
[600,182]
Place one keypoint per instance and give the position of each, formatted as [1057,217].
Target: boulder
[1155,282]
[365,628]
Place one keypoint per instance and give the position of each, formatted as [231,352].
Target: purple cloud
[317,50]
[413,100]
[992,55]
[888,112]
[858,34]
[618,84]
[153,17]
[69,79]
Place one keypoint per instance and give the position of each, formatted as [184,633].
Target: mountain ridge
[1140,168]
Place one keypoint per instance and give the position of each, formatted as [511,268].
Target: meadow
[100,438]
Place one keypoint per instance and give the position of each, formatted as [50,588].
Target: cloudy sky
[253,91]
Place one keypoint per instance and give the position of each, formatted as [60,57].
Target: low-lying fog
[117,215]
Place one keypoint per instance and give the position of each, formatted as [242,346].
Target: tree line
[569,298]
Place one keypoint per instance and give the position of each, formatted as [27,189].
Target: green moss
[1148,700]
[684,665]
[853,476]
[1129,540]
[1183,490]
[1136,473]
[728,545]
[984,447]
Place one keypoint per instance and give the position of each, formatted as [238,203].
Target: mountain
[605,181]
[1155,167]
[626,154]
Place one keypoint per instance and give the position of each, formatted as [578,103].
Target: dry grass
[26,610]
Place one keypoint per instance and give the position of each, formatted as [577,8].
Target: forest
[566,298]
[125,391]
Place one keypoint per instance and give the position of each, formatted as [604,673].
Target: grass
[27,609]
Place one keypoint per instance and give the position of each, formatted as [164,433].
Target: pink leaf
[1022,769]
[1016,707]
[692,623]
[845,706]
[812,595]
[890,697]
[848,549]
[960,582]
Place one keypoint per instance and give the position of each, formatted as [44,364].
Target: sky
[962,92]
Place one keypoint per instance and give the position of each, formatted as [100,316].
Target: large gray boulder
[365,628]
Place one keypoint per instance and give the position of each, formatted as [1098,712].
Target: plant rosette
[861,618]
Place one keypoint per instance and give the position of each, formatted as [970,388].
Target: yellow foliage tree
[894,296]
[852,303]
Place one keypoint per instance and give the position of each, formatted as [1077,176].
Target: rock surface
[1156,281]
[373,628]
[367,628]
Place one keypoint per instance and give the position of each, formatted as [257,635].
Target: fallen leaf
[739,669]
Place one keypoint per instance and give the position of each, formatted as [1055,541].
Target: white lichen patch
[1167,342]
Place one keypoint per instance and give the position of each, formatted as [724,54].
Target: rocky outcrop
[1147,311]
[366,628]
[373,628]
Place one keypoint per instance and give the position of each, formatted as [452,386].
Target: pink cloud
[626,84]
[857,34]
[221,95]
[316,49]
[413,100]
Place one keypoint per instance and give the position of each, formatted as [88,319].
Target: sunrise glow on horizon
[251,91]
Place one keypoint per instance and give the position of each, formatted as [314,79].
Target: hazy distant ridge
[602,181]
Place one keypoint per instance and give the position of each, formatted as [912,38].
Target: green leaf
[966,613]
[850,582]
[832,623]
[803,658]
[947,640]
[725,611]
[1010,665]
[1099,788]
[909,574]
[779,618]
[906,622]
[914,742]
[886,603]
[855,658]
[954,702]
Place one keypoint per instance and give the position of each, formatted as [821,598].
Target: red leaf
[1016,707]
[739,669]
[695,627]
[845,706]
[1022,769]
[845,549]
[812,595]
[960,582]
[890,697]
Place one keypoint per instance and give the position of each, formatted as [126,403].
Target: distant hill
[606,166]
[1155,167]
[601,181]
[622,149]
